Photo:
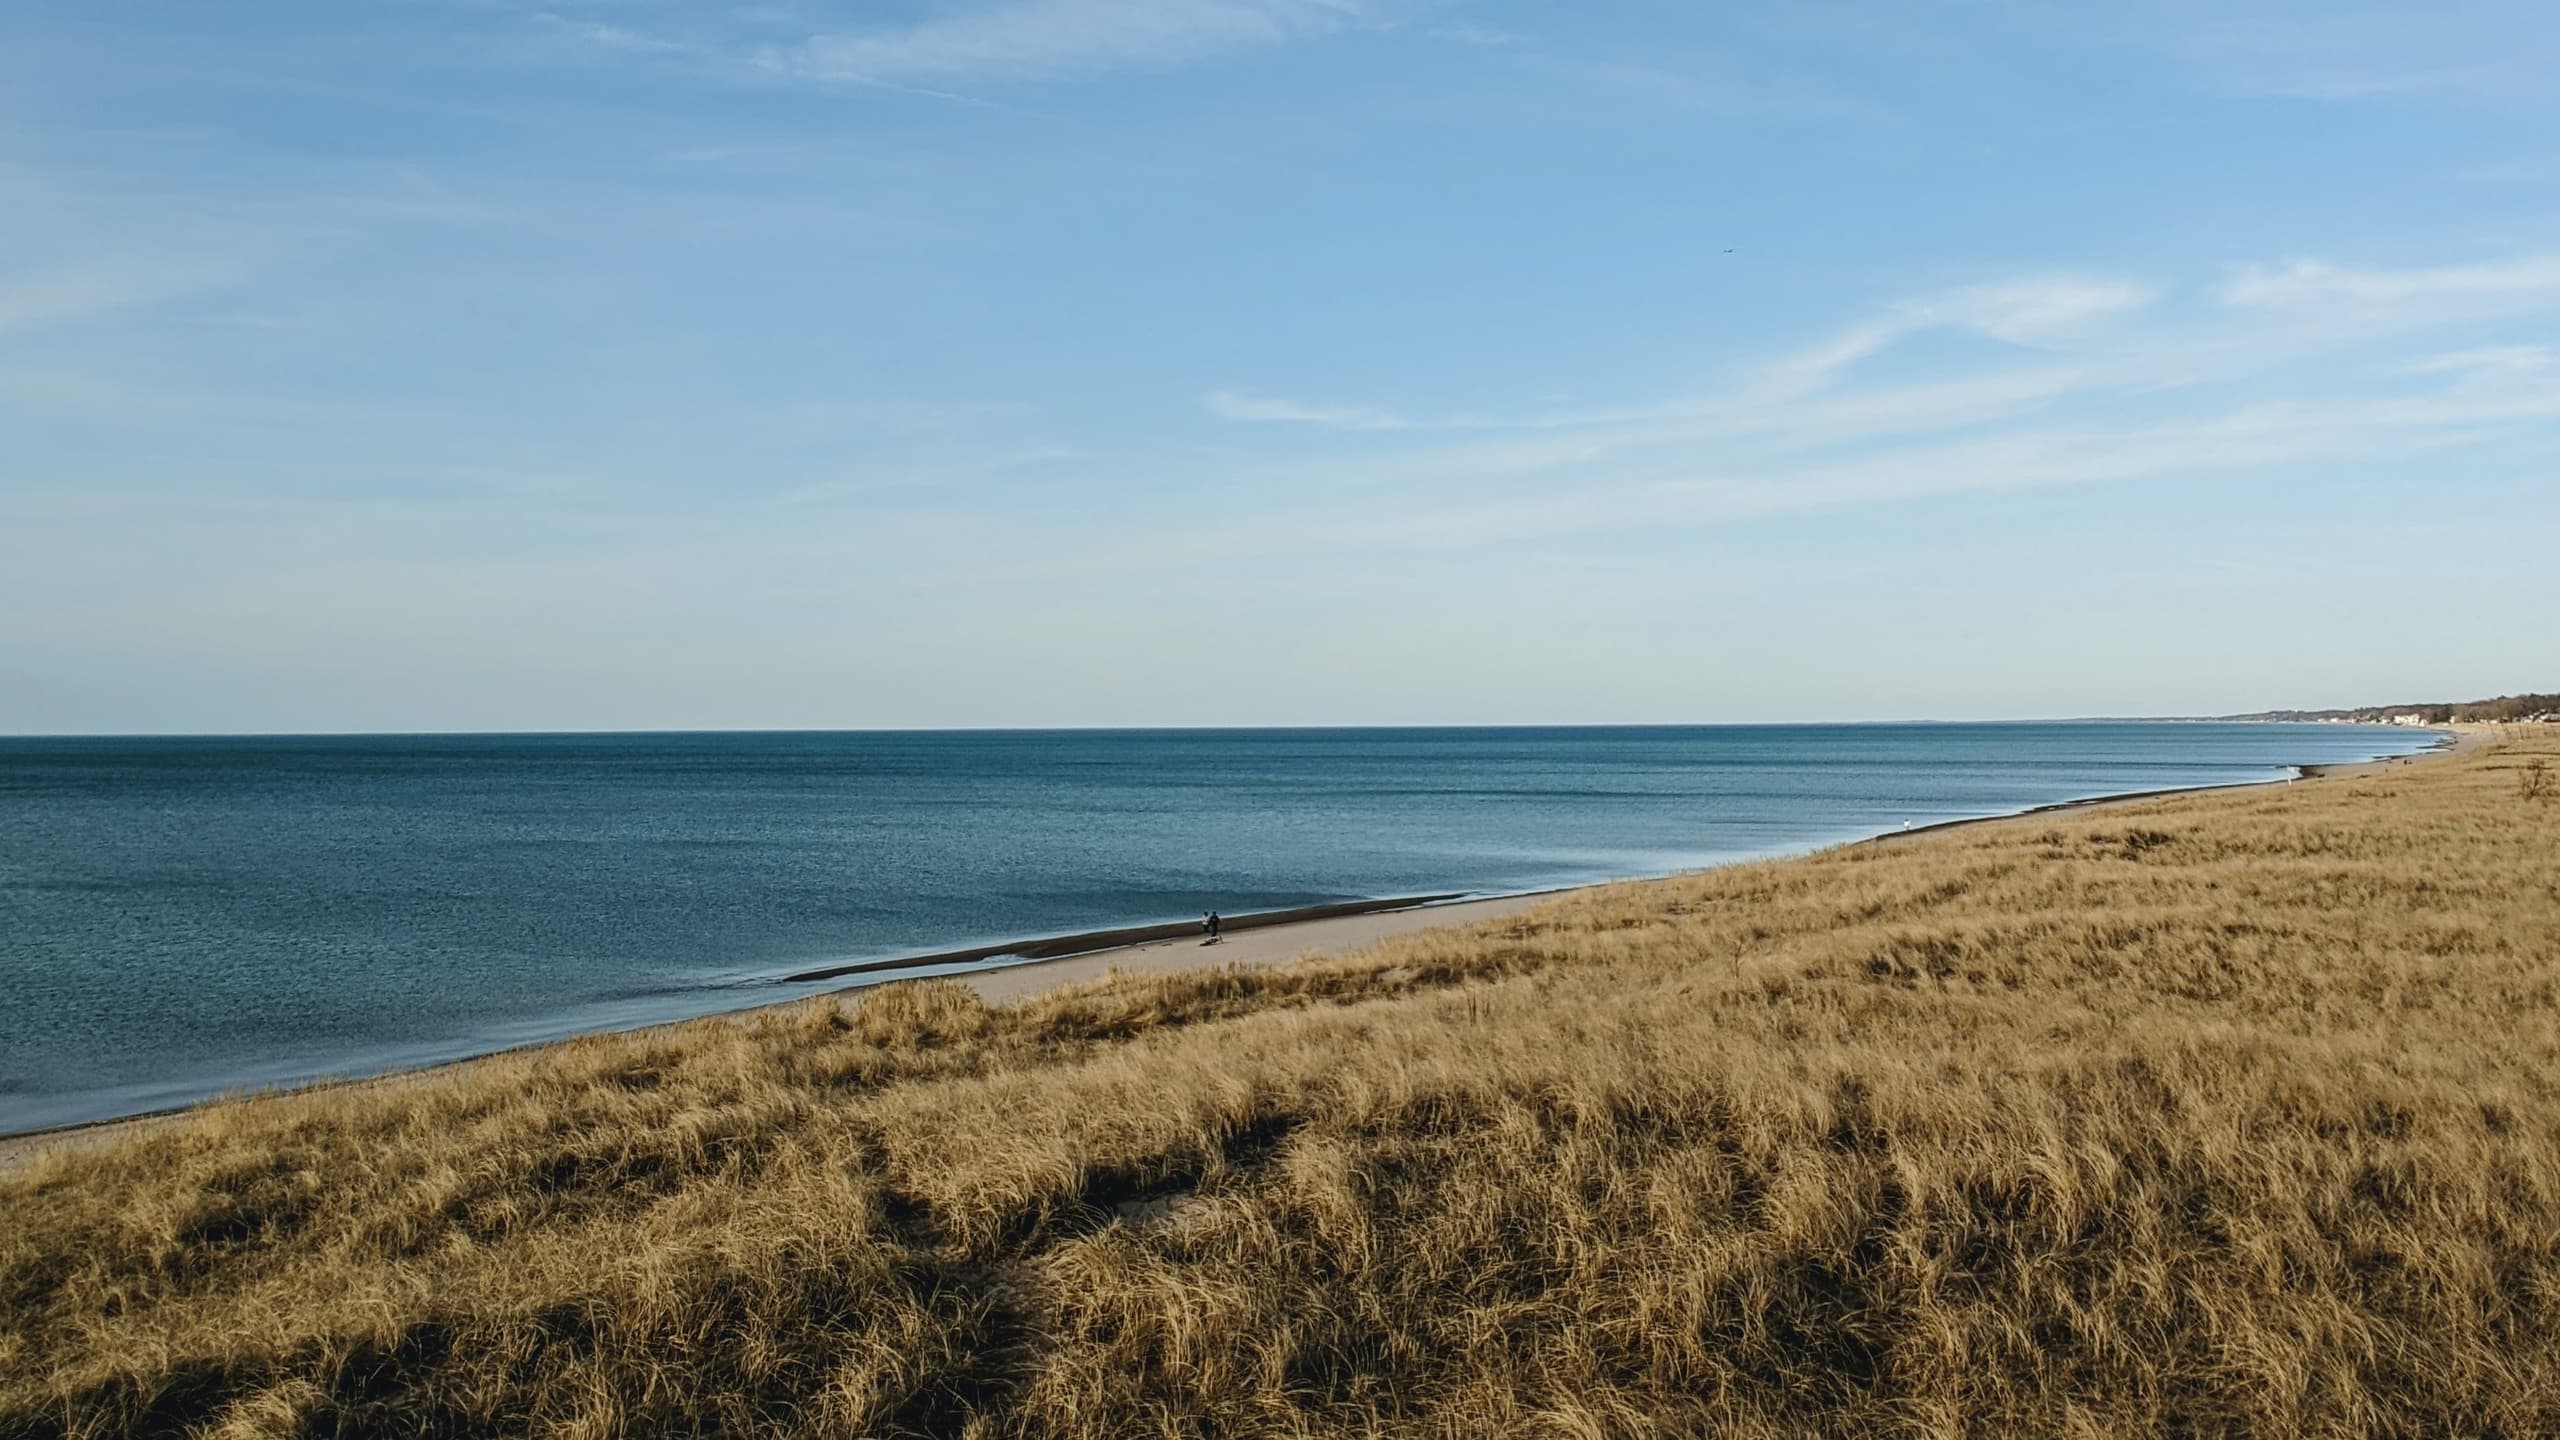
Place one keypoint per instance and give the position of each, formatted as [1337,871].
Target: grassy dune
[2223,1114]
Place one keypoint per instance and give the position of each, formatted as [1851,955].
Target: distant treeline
[2504,708]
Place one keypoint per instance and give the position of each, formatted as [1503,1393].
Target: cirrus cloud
[1038,39]
[2312,282]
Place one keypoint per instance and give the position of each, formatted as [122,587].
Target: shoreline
[1279,938]
[1039,952]
[1083,942]
[1322,937]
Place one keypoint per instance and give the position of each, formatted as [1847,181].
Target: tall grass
[2220,1114]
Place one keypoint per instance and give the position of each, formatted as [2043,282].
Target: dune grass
[2219,1114]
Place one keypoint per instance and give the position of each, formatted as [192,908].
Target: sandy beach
[2466,736]
[1264,945]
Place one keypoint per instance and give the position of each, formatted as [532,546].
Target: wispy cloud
[61,395]
[2311,282]
[1656,485]
[615,37]
[77,291]
[1031,39]
[2029,310]
[1807,429]
[1486,36]
[54,395]
[2488,359]
[1267,409]
[888,417]
[1264,409]
[2458,50]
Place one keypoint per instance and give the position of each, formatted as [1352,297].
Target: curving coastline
[1260,938]
[1281,940]
[1058,947]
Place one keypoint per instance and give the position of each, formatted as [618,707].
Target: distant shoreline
[1264,938]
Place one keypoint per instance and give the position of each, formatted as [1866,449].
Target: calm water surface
[183,916]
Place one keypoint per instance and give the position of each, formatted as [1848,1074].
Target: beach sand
[1267,945]
[2466,736]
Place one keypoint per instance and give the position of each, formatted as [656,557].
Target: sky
[632,364]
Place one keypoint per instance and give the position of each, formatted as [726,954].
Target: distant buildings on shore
[2505,710]
[2414,717]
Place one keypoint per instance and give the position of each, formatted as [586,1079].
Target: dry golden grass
[2227,1114]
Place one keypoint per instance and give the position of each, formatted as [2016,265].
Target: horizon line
[2250,717]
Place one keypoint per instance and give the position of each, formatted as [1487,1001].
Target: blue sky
[434,364]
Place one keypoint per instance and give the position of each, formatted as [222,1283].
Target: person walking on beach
[1210,927]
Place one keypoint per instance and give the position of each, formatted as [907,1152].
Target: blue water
[179,917]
